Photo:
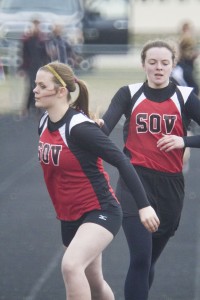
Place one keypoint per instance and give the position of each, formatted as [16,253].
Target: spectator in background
[187,31]
[185,73]
[57,47]
[34,56]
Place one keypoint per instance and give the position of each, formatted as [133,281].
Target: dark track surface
[30,241]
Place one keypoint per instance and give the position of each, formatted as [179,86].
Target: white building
[163,16]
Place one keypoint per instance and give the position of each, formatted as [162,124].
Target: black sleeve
[90,137]
[190,79]
[192,141]
[192,108]
[118,107]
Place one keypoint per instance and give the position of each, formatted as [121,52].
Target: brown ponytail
[64,76]
[82,101]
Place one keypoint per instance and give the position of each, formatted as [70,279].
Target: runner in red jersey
[71,149]
[152,109]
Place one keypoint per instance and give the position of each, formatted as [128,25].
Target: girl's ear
[62,91]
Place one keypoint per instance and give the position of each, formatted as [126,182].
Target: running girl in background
[151,109]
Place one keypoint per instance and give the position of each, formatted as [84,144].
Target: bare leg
[87,245]
[100,289]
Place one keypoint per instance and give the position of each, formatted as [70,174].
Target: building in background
[163,16]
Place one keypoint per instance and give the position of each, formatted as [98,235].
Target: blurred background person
[185,72]
[187,31]
[58,48]
[34,55]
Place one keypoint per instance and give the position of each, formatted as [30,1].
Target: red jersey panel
[149,120]
[62,169]
[75,179]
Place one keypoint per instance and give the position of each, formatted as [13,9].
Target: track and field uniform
[150,113]
[71,152]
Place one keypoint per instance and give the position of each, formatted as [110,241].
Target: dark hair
[67,75]
[158,44]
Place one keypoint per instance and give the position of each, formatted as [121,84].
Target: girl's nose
[159,66]
[35,90]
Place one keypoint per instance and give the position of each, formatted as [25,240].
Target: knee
[69,268]
[66,269]
[141,261]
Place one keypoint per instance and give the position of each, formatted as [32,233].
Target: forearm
[192,141]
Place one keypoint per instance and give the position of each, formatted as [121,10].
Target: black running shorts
[111,219]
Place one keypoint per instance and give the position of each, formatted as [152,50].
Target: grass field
[103,84]
[102,81]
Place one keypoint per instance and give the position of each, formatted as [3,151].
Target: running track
[30,245]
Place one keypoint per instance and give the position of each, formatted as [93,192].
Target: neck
[56,113]
[158,86]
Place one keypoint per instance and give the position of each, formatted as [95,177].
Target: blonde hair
[63,73]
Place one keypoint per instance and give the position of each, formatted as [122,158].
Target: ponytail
[64,76]
[82,101]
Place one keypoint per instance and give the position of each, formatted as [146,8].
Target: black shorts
[165,192]
[111,219]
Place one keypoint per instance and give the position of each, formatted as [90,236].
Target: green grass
[102,85]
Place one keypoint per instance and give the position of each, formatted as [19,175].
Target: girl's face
[158,66]
[45,92]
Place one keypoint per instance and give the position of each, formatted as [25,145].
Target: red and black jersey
[71,153]
[150,113]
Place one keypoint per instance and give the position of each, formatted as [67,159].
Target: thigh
[139,239]
[109,218]
[158,246]
[126,199]
[69,229]
[170,196]
[88,243]
[165,192]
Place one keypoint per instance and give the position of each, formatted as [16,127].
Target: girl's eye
[152,62]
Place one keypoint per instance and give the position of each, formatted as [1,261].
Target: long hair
[63,73]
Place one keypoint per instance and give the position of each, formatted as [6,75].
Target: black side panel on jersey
[128,113]
[186,121]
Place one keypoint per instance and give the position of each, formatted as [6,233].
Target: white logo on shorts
[103,217]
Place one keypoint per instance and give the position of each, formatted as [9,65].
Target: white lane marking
[45,275]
